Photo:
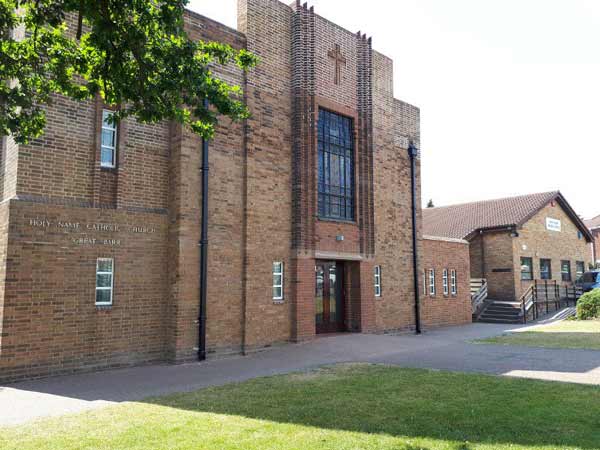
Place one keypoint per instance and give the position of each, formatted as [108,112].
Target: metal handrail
[528,300]
[480,296]
[545,292]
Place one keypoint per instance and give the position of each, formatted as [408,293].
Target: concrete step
[501,308]
[500,315]
[501,312]
[498,320]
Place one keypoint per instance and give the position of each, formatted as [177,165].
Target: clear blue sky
[509,90]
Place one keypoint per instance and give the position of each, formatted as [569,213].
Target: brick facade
[496,255]
[61,211]
[443,254]
[537,242]
[596,247]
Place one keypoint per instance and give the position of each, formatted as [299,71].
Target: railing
[542,294]
[479,293]
[528,300]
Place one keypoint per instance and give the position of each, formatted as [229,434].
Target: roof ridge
[495,200]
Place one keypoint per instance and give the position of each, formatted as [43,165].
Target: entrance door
[329,297]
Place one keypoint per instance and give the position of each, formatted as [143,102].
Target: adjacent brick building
[594,227]
[309,218]
[446,281]
[515,241]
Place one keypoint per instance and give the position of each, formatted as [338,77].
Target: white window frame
[424,282]
[445,282]
[377,273]
[276,273]
[453,284]
[112,281]
[431,282]
[113,129]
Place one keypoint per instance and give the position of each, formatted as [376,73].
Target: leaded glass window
[336,166]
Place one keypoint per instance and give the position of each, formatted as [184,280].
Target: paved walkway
[448,348]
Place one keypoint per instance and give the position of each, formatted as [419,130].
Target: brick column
[367,297]
[183,251]
[303,299]
[360,302]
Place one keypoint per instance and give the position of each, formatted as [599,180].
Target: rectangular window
[580,269]
[545,269]
[277,281]
[336,166]
[377,281]
[526,269]
[424,282]
[108,151]
[432,282]
[104,281]
[565,270]
[453,285]
[445,282]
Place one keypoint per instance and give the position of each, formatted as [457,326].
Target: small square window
[104,281]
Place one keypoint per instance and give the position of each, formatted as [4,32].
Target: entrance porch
[332,296]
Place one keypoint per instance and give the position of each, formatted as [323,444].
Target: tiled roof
[459,221]
[593,223]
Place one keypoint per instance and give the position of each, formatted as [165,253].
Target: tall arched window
[336,166]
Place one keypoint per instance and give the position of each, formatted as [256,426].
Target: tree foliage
[135,54]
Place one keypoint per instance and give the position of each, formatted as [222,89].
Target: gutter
[203,251]
[412,153]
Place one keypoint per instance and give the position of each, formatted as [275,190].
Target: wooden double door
[329,296]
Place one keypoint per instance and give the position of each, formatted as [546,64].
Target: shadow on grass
[460,408]
[547,339]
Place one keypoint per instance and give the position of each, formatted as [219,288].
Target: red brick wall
[496,256]
[395,125]
[50,321]
[262,208]
[268,165]
[441,310]
[4,210]
[537,242]
[596,246]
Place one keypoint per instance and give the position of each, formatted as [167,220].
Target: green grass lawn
[344,407]
[565,334]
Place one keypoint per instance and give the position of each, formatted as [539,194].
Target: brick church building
[309,220]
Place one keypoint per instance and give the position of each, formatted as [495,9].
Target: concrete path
[449,349]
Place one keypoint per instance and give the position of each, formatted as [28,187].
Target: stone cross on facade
[339,59]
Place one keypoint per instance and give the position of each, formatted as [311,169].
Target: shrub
[588,306]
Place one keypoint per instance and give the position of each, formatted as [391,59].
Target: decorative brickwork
[61,211]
